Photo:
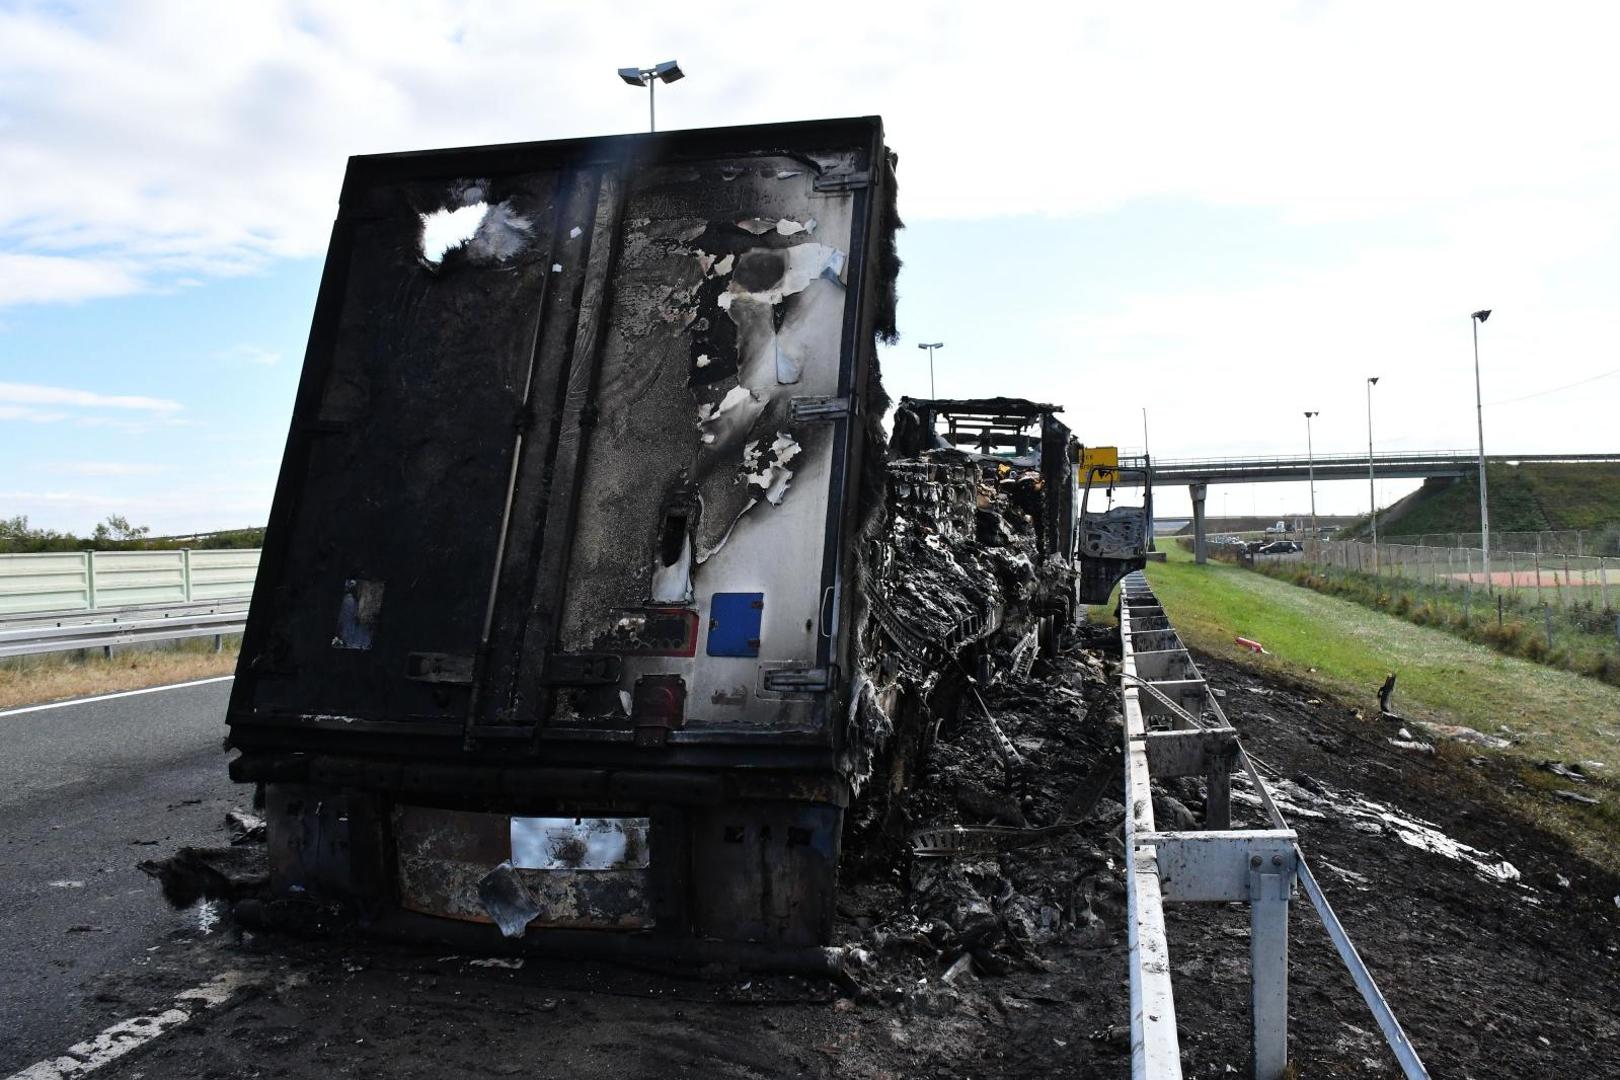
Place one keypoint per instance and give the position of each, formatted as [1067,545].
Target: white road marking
[121,693]
[126,1035]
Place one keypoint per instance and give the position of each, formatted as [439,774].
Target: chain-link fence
[1531,579]
[1578,542]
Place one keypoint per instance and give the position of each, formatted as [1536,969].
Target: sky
[1224,214]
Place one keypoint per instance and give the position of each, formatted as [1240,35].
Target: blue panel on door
[734,619]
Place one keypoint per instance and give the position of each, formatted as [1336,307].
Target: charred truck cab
[1094,546]
[552,627]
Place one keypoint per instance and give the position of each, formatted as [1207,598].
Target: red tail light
[657,706]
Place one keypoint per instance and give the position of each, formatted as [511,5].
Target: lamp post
[1479,413]
[1310,465]
[1372,490]
[931,347]
[668,72]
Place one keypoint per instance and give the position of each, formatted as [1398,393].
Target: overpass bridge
[1199,473]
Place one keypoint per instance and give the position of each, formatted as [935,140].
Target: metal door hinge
[800,680]
[819,408]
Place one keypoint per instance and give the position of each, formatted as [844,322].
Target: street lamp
[931,347]
[1479,412]
[1372,491]
[668,72]
[1310,464]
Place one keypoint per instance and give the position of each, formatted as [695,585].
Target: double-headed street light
[931,347]
[1310,464]
[1372,490]
[668,72]
[1479,411]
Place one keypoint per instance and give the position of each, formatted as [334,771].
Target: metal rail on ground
[1174,726]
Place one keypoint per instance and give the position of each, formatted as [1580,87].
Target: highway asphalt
[88,790]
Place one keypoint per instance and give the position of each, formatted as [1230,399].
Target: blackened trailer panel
[434,527]
[397,469]
[699,479]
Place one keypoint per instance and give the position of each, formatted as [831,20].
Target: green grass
[1346,650]
[1524,498]
[1583,638]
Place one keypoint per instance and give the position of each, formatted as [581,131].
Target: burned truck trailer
[552,627]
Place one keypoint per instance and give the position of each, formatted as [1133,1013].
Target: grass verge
[1347,649]
[36,680]
[1582,639]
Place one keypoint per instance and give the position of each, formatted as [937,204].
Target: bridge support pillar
[1200,550]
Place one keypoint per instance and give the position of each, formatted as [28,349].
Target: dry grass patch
[36,680]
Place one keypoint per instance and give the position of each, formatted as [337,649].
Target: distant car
[1281,547]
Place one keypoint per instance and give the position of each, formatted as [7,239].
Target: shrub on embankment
[1582,637]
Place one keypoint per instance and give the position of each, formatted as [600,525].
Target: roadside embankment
[35,680]
[1459,698]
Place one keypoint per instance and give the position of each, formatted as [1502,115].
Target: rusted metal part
[766,872]
[564,875]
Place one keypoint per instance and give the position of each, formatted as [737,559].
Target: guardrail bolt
[1254,860]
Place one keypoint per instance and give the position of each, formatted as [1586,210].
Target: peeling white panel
[672,584]
[799,266]
[767,469]
[781,226]
[725,423]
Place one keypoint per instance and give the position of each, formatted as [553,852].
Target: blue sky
[1225,215]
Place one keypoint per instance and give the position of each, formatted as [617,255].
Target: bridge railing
[1247,461]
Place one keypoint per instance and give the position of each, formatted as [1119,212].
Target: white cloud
[1321,111]
[30,394]
[26,278]
[166,144]
[106,468]
[249,354]
[31,415]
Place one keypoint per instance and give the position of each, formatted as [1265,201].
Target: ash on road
[1491,975]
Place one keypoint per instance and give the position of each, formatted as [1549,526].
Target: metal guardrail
[1174,726]
[31,637]
[84,581]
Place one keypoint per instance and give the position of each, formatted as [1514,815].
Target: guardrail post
[185,573]
[1271,885]
[1603,583]
[90,579]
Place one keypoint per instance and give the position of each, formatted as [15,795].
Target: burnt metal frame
[1160,681]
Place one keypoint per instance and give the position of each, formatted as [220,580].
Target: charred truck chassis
[554,623]
[1006,433]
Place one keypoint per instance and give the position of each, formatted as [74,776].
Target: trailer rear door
[583,476]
